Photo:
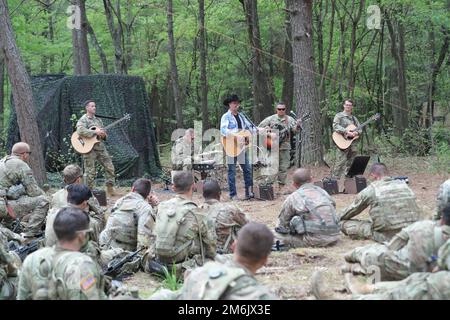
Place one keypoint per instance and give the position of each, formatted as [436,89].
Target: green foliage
[170,280]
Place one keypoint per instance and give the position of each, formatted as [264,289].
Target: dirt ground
[288,273]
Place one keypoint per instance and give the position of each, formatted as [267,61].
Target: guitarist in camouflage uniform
[344,158]
[286,126]
[99,151]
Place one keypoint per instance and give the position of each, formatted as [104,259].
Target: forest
[390,57]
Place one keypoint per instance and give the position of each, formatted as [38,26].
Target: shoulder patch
[87,282]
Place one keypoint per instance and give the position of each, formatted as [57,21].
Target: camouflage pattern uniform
[59,201]
[419,285]
[14,171]
[308,218]
[284,159]
[443,198]
[130,224]
[183,234]
[229,281]
[392,207]
[183,152]
[228,219]
[9,264]
[58,274]
[409,251]
[344,158]
[98,152]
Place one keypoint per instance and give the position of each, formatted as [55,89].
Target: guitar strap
[287,127]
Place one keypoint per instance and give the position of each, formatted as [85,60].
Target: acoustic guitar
[343,141]
[235,143]
[84,145]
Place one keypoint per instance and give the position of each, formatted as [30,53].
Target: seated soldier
[9,266]
[62,272]
[184,236]
[443,197]
[72,174]
[132,219]
[411,250]
[183,151]
[234,279]
[15,171]
[418,286]
[228,218]
[392,207]
[308,216]
[78,195]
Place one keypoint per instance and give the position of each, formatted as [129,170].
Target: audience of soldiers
[214,245]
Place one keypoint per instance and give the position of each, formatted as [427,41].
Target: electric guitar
[343,141]
[84,145]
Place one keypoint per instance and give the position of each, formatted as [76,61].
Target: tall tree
[261,90]
[203,54]
[2,93]
[116,35]
[81,58]
[22,94]
[287,93]
[305,92]
[400,109]
[173,66]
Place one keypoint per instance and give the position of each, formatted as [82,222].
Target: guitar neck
[363,124]
[114,123]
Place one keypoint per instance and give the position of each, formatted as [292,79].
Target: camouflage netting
[59,102]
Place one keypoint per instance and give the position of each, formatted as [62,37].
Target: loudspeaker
[264,192]
[101,196]
[329,185]
[355,185]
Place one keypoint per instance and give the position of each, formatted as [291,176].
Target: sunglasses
[281,109]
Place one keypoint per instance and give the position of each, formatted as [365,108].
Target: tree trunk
[120,65]
[203,54]
[263,97]
[287,93]
[81,58]
[22,94]
[173,67]
[305,92]
[400,110]
[2,95]
[98,48]
[353,47]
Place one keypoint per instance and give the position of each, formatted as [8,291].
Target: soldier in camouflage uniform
[286,126]
[308,216]
[62,272]
[183,151]
[9,265]
[73,174]
[228,218]
[132,220]
[99,151]
[15,171]
[392,207]
[234,279]
[184,236]
[341,121]
[443,198]
[411,250]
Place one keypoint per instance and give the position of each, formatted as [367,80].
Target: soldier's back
[223,281]
[393,206]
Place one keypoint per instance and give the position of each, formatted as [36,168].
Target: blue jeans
[246,167]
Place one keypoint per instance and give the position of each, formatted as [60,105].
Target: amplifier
[355,185]
[203,166]
[264,192]
[101,196]
[329,185]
